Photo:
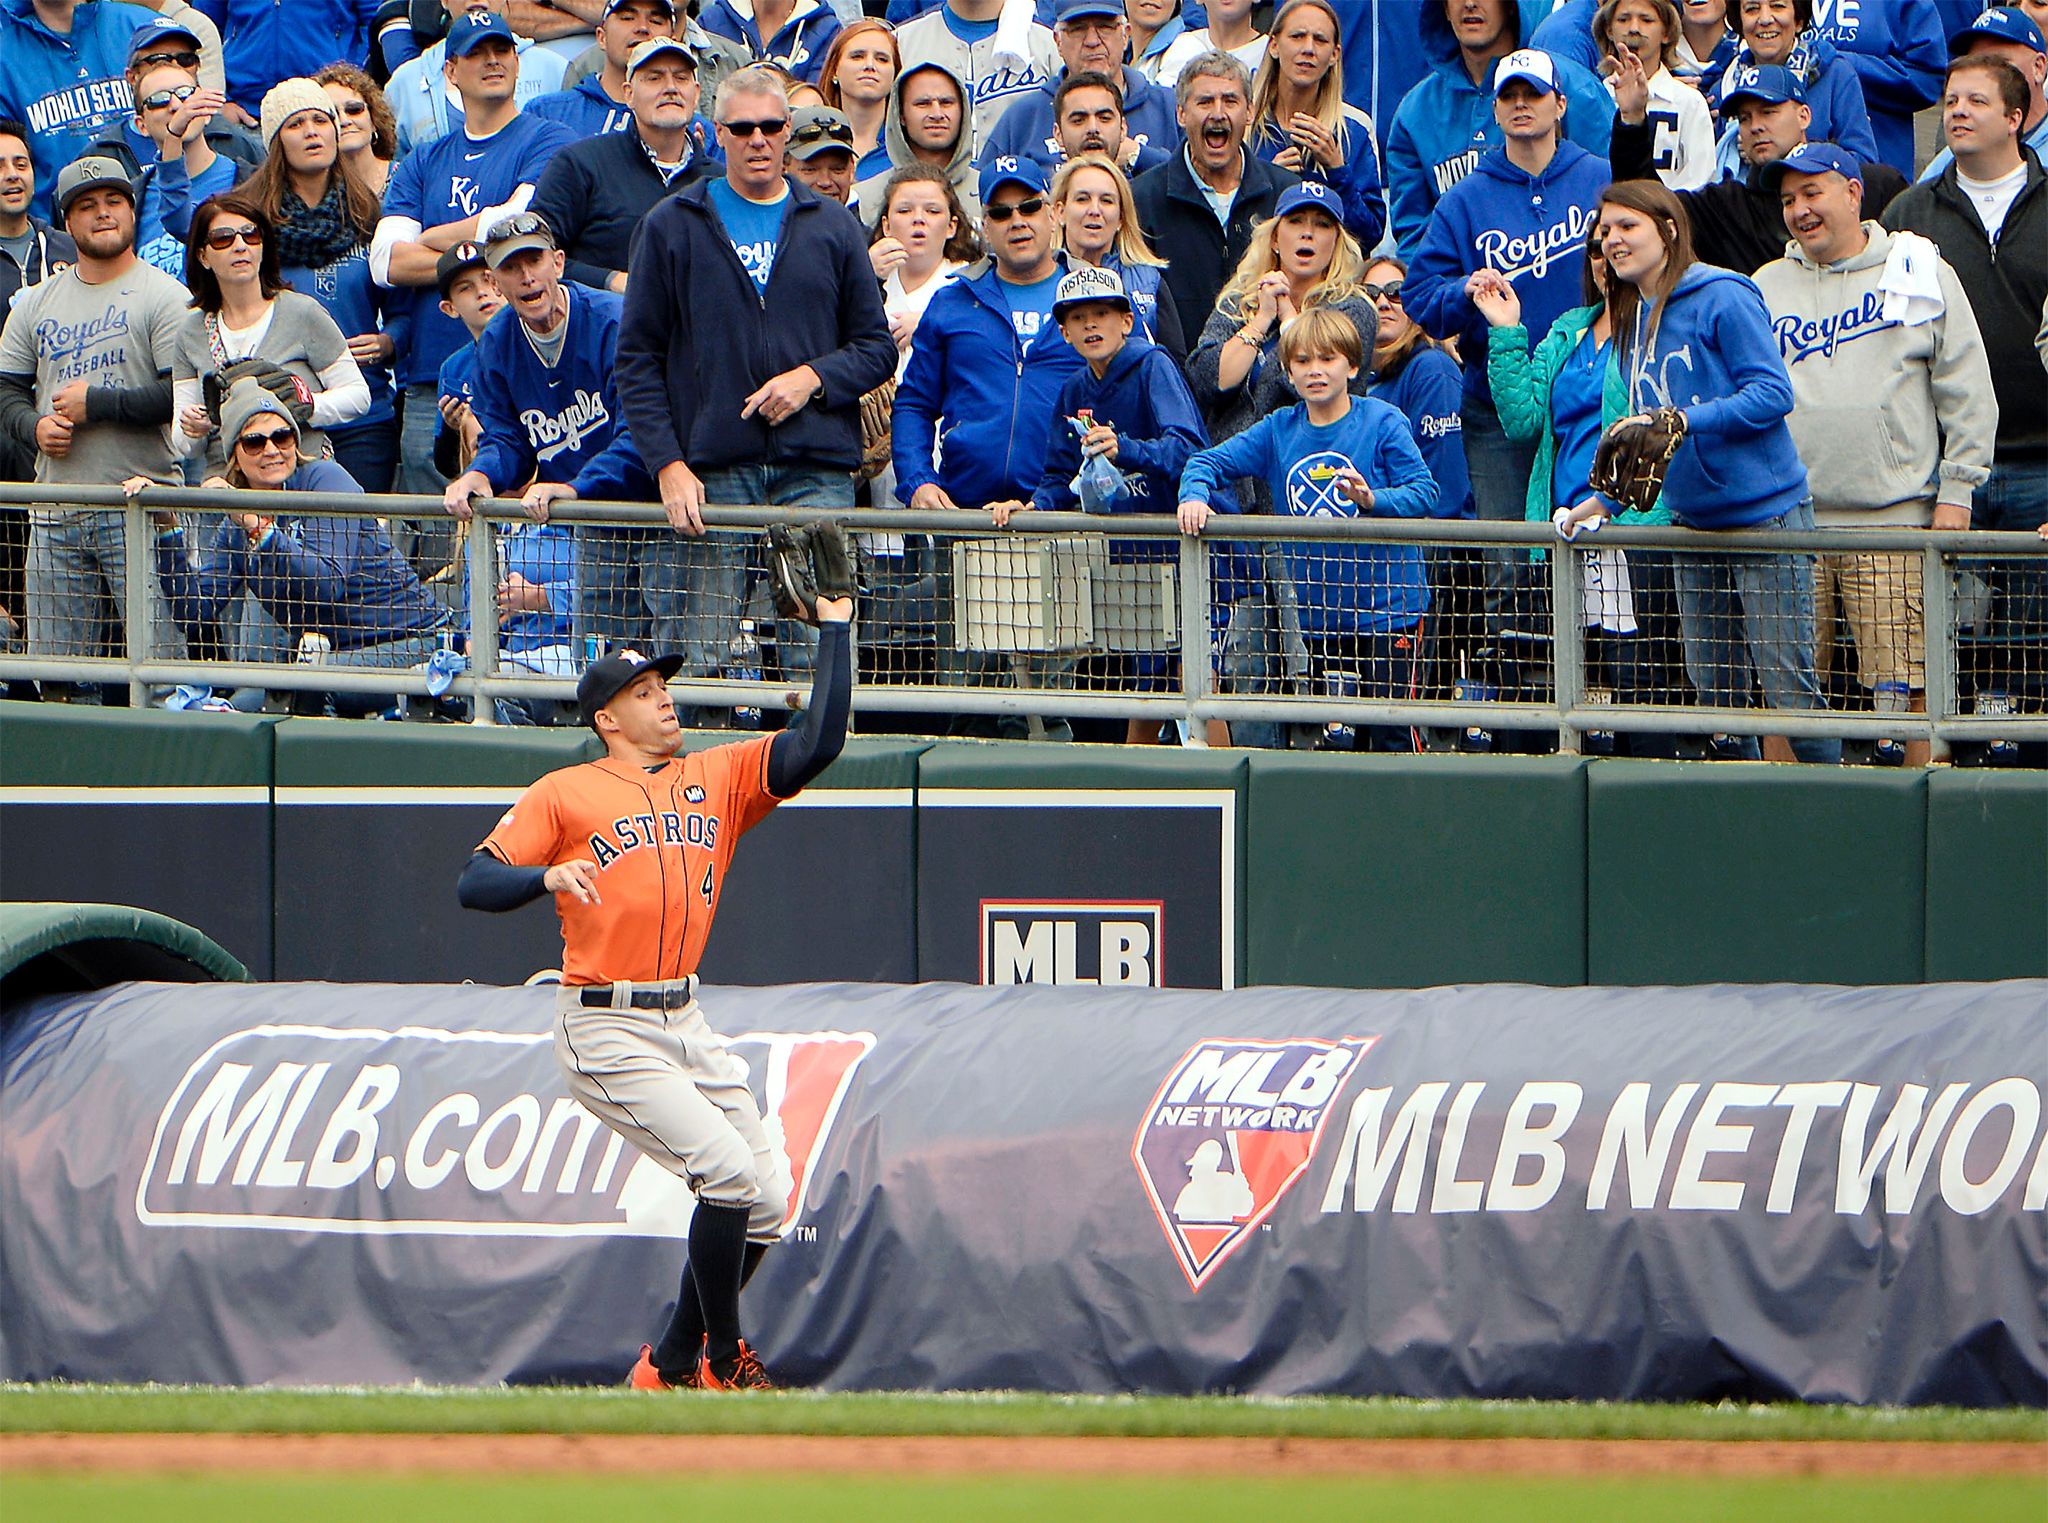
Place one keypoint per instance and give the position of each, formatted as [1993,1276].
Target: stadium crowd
[1326,258]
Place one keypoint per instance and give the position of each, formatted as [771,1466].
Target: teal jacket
[1521,393]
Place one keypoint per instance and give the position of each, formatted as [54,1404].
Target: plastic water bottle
[743,664]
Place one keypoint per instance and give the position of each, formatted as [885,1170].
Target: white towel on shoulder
[1013,33]
[1911,281]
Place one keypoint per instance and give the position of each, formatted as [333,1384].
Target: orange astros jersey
[661,842]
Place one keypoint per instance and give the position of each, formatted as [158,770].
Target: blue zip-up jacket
[1342,587]
[359,305]
[1531,229]
[1025,129]
[584,109]
[799,47]
[68,90]
[1385,55]
[822,308]
[1834,94]
[1567,32]
[264,41]
[549,421]
[1446,124]
[973,388]
[1431,393]
[1144,397]
[338,576]
[447,180]
[1144,284]
[1356,180]
[1715,357]
[1899,50]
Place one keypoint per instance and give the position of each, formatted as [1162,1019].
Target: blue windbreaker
[974,391]
[264,41]
[1714,356]
[1446,123]
[1532,230]
[1342,587]
[69,91]
[1431,393]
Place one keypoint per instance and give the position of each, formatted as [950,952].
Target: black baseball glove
[805,564]
[290,390]
[1633,456]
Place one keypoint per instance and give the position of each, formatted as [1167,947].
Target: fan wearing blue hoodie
[1778,32]
[1899,50]
[797,34]
[1446,123]
[68,87]
[1699,339]
[1523,214]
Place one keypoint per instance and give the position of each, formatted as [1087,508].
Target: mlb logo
[1074,941]
[1229,1132]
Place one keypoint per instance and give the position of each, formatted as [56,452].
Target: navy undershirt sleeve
[797,755]
[488,884]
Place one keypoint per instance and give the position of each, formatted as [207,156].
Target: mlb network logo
[1073,941]
[1229,1132]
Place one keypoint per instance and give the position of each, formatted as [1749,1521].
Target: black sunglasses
[1030,206]
[157,100]
[768,127]
[182,59]
[221,239]
[255,444]
[1391,291]
[354,108]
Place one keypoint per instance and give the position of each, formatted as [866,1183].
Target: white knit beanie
[286,99]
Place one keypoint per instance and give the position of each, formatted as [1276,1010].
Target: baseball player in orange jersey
[634,848]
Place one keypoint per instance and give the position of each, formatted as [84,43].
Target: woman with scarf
[312,193]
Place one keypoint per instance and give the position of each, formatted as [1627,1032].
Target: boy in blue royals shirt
[1336,456]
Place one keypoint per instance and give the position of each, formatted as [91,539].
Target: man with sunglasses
[85,380]
[63,66]
[175,114]
[173,44]
[774,274]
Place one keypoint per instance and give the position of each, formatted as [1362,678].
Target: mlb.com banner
[1832,1194]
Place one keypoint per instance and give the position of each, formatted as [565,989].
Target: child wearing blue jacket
[1336,456]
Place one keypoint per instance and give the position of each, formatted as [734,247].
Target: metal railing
[1006,613]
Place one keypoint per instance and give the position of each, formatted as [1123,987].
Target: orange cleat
[742,1372]
[645,1377]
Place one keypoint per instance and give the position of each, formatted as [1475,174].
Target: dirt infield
[547,1453]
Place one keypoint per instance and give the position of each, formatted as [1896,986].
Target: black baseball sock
[675,1357]
[718,1253]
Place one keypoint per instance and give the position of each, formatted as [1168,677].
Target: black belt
[664,996]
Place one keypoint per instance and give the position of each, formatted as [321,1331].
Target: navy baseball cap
[152,33]
[464,256]
[1530,65]
[1771,83]
[2003,23]
[1310,193]
[608,676]
[1074,10]
[472,29]
[1020,169]
[1812,159]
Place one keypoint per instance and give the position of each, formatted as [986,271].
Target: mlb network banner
[1829,1194]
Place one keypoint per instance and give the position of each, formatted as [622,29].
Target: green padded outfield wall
[1987,875]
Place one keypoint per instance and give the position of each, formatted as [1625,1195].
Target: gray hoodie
[1888,419]
[867,194]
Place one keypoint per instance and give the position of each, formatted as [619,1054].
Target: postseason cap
[606,677]
[1021,170]
[1812,159]
[1075,10]
[472,29]
[655,47]
[1530,65]
[528,230]
[1310,193]
[816,129]
[158,33]
[464,256]
[1771,83]
[93,172]
[1089,283]
[2003,23]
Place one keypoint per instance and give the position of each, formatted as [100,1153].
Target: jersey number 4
[706,888]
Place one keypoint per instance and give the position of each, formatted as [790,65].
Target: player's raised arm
[813,581]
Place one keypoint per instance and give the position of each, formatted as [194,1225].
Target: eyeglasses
[158,100]
[769,127]
[1030,206]
[256,444]
[1391,291]
[183,58]
[222,238]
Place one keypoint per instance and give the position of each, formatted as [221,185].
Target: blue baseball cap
[1311,193]
[1020,169]
[1812,159]
[153,32]
[2005,23]
[1771,83]
[1074,10]
[472,29]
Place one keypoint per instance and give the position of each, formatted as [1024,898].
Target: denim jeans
[2010,652]
[76,588]
[1744,615]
